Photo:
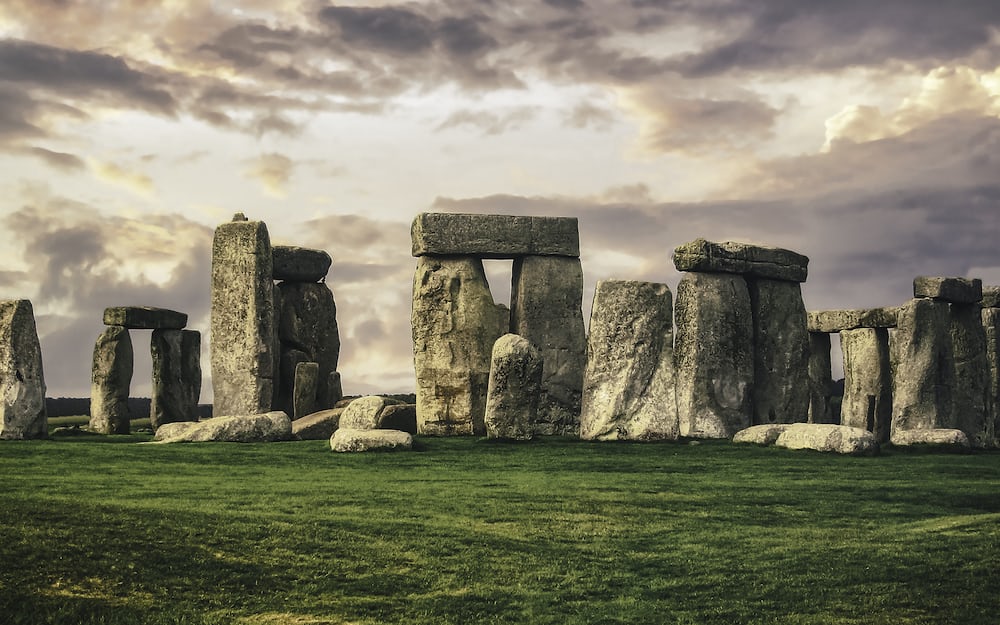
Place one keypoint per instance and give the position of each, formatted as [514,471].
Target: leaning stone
[936,437]
[780,352]
[318,425]
[742,258]
[345,440]
[955,290]
[991,297]
[300,264]
[176,358]
[304,393]
[308,322]
[867,402]
[514,389]
[838,439]
[546,309]
[494,236]
[820,379]
[839,320]
[365,413]
[971,394]
[399,417]
[110,377]
[923,365]
[243,332]
[713,355]
[260,428]
[22,382]
[628,390]
[144,318]
[765,434]
[991,327]
[455,323]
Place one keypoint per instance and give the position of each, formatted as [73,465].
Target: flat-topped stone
[991,297]
[494,236]
[831,321]
[259,428]
[766,434]
[756,261]
[299,264]
[954,290]
[947,437]
[347,440]
[144,318]
[828,438]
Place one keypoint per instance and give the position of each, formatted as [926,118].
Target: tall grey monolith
[110,378]
[628,389]
[455,323]
[713,355]
[243,332]
[923,366]
[305,389]
[176,376]
[820,379]
[867,402]
[546,309]
[991,327]
[515,388]
[971,396]
[22,382]
[780,351]
[307,323]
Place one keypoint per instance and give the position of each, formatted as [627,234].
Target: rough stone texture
[937,437]
[308,324]
[954,290]
[820,379]
[110,378]
[867,402]
[713,355]
[259,428]
[334,389]
[546,309]
[144,318]
[922,365]
[494,236]
[991,297]
[399,417]
[299,264]
[971,395]
[628,390]
[22,382]
[455,323]
[318,425]
[751,260]
[243,332]
[991,328]
[839,320]
[304,393]
[780,352]
[346,440]
[838,439]
[365,413]
[766,434]
[176,376]
[514,390]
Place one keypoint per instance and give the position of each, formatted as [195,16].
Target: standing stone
[991,326]
[22,383]
[110,378]
[820,379]
[971,394]
[514,390]
[243,333]
[334,390]
[308,323]
[546,309]
[713,355]
[781,352]
[455,323]
[304,393]
[867,400]
[176,376]
[628,391]
[922,366]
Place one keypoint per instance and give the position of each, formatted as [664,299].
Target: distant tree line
[138,407]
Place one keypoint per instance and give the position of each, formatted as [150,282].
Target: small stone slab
[365,413]
[765,434]
[494,236]
[838,439]
[943,437]
[831,321]
[954,290]
[991,297]
[756,261]
[299,264]
[348,440]
[144,318]
[260,428]
[318,426]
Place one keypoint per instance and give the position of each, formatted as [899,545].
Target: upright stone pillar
[820,379]
[308,325]
[22,382]
[110,378]
[546,309]
[972,392]
[923,365]
[304,393]
[867,400]
[991,327]
[781,352]
[176,376]
[515,388]
[243,333]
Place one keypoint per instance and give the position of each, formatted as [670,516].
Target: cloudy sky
[865,135]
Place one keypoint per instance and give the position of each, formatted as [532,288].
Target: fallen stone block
[365,413]
[839,320]
[838,439]
[494,236]
[954,290]
[318,425]
[938,437]
[765,434]
[144,318]
[299,264]
[260,428]
[22,383]
[514,390]
[345,440]
[756,261]
[399,417]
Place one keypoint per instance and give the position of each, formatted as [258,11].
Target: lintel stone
[954,290]
[494,236]
[991,297]
[756,261]
[144,318]
[831,321]
[299,264]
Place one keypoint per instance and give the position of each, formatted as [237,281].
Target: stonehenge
[22,382]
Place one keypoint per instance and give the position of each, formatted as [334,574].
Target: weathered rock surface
[515,387]
[22,382]
[455,323]
[713,355]
[546,309]
[840,320]
[399,417]
[991,297]
[308,324]
[365,413]
[299,264]
[110,378]
[243,332]
[494,236]
[867,402]
[304,391]
[991,328]
[972,392]
[765,434]
[144,318]
[346,440]
[628,391]
[334,389]
[945,437]
[741,258]
[820,379]
[954,290]
[176,376]
[780,352]
[259,428]
[838,439]
[318,425]
[923,366]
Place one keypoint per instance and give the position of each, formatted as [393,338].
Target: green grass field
[96,530]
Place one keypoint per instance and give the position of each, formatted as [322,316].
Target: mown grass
[557,531]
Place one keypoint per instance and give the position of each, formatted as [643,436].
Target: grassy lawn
[96,530]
